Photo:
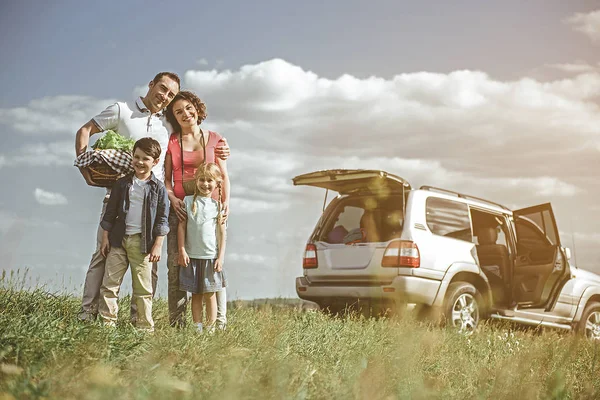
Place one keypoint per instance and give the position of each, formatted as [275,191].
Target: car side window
[502,236]
[532,242]
[529,235]
[539,223]
[500,240]
[448,218]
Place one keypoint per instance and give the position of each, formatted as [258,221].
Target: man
[135,119]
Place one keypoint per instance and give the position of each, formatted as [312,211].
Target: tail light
[310,257]
[401,253]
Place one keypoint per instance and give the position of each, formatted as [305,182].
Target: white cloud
[37,154]
[245,206]
[11,222]
[202,61]
[577,67]
[49,198]
[256,189]
[250,258]
[463,129]
[279,105]
[543,186]
[586,23]
[62,115]
[270,85]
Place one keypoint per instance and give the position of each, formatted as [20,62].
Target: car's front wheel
[589,325]
[462,308]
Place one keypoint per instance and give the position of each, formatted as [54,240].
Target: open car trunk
[355,228]
[354,181]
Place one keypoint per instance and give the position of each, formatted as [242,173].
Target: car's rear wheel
[462,308]
[589,325]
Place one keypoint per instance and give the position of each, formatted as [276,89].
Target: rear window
[448,218]
[363,220]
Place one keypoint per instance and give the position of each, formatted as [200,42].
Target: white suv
[383,243]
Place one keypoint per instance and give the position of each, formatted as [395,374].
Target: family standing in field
[177,186]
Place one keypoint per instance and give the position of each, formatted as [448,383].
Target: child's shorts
[200,277]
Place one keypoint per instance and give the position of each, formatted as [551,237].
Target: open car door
[541,268]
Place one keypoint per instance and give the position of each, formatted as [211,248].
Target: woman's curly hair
[192,98]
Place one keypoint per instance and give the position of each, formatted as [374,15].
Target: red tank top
[191,161]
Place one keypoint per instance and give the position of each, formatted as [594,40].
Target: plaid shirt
[155,212]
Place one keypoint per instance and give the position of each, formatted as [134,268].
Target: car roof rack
[463,196]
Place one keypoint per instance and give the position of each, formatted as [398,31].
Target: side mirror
[567,253]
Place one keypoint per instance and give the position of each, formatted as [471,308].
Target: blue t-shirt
[201,232]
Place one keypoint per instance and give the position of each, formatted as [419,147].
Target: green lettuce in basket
[112,140]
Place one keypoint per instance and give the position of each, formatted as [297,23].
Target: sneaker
[221,327]
[199,327]
[85,316]
[109,324]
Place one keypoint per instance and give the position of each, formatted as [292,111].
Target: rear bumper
[408,289]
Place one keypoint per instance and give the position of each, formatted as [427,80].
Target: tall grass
[279,353]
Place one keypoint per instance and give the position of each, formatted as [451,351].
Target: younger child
[135,224]
[201,242]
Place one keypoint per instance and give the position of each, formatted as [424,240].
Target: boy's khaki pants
[95,275]
[141,272]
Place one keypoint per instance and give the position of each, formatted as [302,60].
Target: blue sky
[55,47]
[497,99]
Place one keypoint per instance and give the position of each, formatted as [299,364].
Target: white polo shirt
[134,120]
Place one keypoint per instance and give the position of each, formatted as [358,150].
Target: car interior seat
[493,259]
[370,222]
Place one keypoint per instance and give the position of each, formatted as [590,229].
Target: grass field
[279,353]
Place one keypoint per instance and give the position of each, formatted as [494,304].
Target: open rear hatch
[336,256]
[353,181]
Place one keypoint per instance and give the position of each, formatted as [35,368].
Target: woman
[195,146]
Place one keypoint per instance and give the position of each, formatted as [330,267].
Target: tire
[589,324]
[462,307]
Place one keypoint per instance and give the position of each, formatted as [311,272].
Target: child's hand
[218,265]
[104,247]
[155,253]
[184,259]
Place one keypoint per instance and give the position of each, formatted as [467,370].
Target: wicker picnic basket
[103,175]
[109,160]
